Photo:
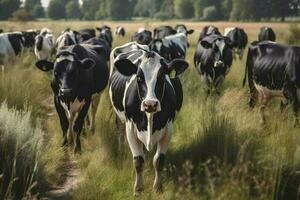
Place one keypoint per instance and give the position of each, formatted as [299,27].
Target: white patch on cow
[67,57]
[141,30]
[60,42]
[268,93]
[221,45]
[150,68]
[179,38]
[228,30]
[47,46]
[181,29]
[6,49]
[158,45]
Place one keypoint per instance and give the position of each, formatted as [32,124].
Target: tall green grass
[20,153]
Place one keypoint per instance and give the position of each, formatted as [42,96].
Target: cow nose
[219,63]
[150,105]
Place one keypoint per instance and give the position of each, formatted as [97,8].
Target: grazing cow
[105,33]
[209,30]
[12,44]
[171,47]
[163,31]
[142,36]
[146,93]
[44,44]
[80,75]
[266,34]
[86,34]
[213,59]
[66,38]
[273,71]
[29,37]
[240,40]
[120,31]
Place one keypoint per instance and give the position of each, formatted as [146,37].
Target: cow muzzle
[219,63]
[66,94]
[150,106]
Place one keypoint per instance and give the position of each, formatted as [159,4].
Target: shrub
[20,151]
[21,15]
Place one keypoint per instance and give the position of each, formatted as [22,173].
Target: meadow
[219,150]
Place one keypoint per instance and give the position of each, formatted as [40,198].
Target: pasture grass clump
[293,36]
[20,153]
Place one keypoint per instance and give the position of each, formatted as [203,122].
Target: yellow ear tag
[172,74]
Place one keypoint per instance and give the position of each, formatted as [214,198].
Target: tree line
[212,10]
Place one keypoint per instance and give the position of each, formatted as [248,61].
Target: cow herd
[142,77]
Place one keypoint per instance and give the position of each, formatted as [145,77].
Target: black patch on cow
[39,42]
[17,42]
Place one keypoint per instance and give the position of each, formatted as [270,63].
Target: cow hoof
[138,191]
[158,188]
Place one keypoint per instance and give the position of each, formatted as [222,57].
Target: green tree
[29,4]
[120,9]
[56,9]
[89,8]
[226,8]
[73,10]
[210,13]
[183,9]
[7,7]
[38,11]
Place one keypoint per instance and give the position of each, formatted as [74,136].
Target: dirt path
[70,178]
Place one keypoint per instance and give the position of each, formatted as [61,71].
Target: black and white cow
[12,44]
[29,37]
[66,38]
[266,34]
[80,74]
[103,43]
[120,31]
[181,28]
[209,30]
[213,59]
[163,31]
[171,47]
[146,94]
[142,36]
[273,71]
[239,38]
[44,44]
[86,34]
[106,34]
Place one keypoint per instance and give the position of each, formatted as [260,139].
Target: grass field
[219,149]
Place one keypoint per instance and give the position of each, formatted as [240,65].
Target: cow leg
[136,147]
[64,122]
[296,105]
[283,104]
[159,158]
[94,107]
[264,99]
[79,124]
[218,84]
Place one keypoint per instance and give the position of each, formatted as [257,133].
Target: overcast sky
[45,3]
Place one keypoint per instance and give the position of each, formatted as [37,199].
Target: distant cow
[209,30]
[240,40]
[12,44]
[181,28]
[120,31]
[213,60]
[146,94]
[163,31]
[44,44]
[80,75]
[29,37]
[66,38]
[142,36]
[86,34]
[171,47]
[273,71]
[105,33]
[266,34]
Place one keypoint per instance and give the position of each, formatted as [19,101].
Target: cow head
[152,72]
[143,37]
[68,73]
[218,46]
[67,38]
[181,28]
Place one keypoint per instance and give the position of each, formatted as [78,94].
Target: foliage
[183,9]
[7,7]
[73,10]
[56,10]
[210,13]
[21,15]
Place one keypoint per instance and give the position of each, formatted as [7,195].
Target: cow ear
[87,63]
[178,66]
[205,44]
[44,65]
[125,67]
[190,31]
